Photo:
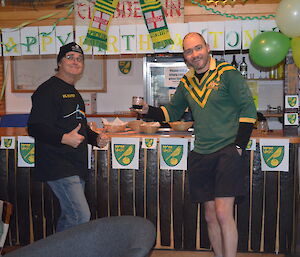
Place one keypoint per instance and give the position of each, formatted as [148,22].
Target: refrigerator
[162,73]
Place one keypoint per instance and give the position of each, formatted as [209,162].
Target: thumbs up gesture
[73,138]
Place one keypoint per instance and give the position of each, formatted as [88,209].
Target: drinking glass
[263,127]
[137,102]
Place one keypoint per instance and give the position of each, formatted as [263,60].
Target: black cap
[71,47]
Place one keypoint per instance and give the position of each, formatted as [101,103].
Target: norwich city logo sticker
[292,118]
[292,101]
[249,145]
[149,142]
[125,66]
[172,154]
[27,152]
[7,142]
[273,155]
[124,153]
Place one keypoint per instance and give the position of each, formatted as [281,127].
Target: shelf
[265,79]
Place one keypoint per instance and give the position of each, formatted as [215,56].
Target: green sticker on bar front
[292,100]
[7,142]
[124,153]
[27,152]
[249,145]
[273,155]
[149,142]
[292,118]
[172,154]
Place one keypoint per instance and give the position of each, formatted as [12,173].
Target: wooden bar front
[265,219]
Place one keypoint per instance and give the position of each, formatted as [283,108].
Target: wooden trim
[2,101]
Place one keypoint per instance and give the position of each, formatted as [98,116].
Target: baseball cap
[71,47]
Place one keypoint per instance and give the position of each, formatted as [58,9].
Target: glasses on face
[190,51]
[70,57]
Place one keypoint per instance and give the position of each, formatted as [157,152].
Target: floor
[177,253]
[173,253]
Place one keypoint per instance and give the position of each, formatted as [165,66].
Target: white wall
[120,89]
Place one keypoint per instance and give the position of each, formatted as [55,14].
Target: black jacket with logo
[58,108]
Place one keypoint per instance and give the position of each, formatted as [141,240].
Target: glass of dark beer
[137,102]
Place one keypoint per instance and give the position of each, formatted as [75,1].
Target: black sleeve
[243,135]
[42,118]
[155,113]
[91,136]
[45,133]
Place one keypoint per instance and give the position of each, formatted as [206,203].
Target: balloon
[269,48]
[288,17]
[295,43]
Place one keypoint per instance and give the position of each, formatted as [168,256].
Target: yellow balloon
[295,43]
[288,17]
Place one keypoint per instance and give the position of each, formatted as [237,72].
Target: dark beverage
[234,63]
[136,106]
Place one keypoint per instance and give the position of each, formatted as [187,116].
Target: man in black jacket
[58,124]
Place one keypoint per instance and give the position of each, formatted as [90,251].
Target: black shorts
[219,174]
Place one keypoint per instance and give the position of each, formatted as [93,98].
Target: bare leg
[224,212]
[214,230]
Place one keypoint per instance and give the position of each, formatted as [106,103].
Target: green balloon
[269,48]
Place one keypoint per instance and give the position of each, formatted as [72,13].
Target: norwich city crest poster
[274,154]
[173,153]
[25,151]
[125,153]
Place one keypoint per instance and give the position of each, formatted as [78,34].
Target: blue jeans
[73,204]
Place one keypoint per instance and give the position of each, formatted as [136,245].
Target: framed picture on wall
[28,72]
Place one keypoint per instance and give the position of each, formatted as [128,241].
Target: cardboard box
[90,101]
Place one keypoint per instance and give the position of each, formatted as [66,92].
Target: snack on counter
[150,127]
[116,125]
[181,125]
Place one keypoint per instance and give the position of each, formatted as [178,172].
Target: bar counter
[265,219]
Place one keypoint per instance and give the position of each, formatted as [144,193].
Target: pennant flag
[99,24]
[149,143]
[156,23]
[125,153]
[153,15]
[173,153]
[25,151]
[251,146]
[274,154]
[8,143]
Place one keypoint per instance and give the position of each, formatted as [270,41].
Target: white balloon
[288,17]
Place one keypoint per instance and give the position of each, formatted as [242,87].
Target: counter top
[276,134]
[123,114]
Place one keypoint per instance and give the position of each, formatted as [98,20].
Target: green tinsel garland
[232,15]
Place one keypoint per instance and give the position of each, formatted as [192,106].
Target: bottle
[280,70]
[234,63]
[244,68]
[272,73]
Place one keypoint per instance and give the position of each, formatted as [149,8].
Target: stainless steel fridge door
[160,80]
